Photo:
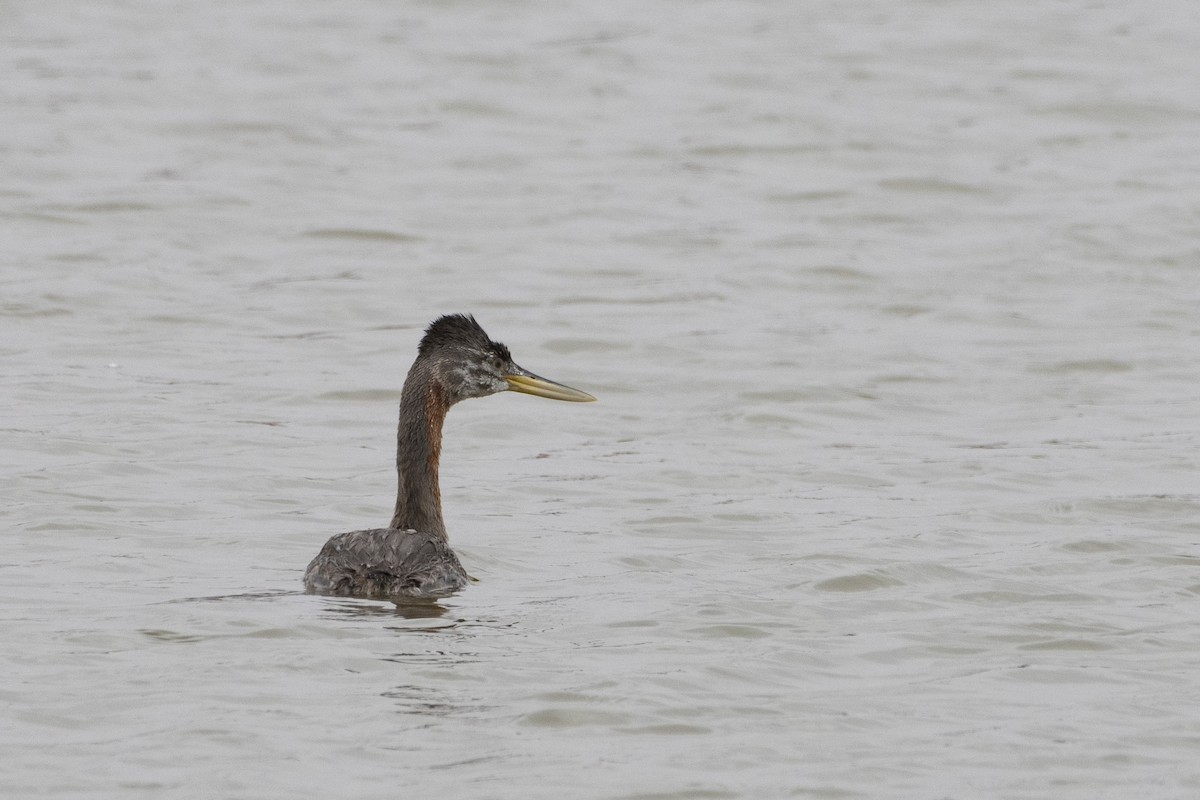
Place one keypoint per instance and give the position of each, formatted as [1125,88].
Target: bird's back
[386,563]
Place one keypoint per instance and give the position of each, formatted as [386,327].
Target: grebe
[411,558]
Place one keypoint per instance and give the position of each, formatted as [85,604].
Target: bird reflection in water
[403,608]
[410,561]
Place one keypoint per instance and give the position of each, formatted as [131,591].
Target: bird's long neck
[423,406]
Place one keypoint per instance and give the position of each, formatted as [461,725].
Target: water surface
[890,307]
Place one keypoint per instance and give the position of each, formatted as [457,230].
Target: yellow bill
[527,383]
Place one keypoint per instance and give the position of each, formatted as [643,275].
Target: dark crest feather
[458,331]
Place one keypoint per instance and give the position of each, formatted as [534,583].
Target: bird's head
[468,363]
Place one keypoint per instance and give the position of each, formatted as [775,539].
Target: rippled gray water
[891,308]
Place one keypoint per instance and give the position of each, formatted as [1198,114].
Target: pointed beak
[520,380]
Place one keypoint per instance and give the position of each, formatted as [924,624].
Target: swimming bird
[411,557]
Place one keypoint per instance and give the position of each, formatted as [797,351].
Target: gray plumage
[384,563]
